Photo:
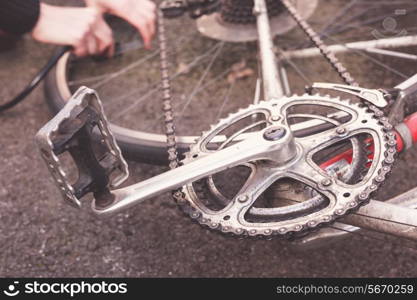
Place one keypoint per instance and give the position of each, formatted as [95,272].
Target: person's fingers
[151,30]
[148,5]
[151,25]
[79,44]
[80,50]
[145,33]
[144,22]
[148,33]
[109,51]
[104,37]
[92,44]
[141,14]
[84,41]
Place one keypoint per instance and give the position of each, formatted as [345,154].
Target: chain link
[318,42]
[166,95]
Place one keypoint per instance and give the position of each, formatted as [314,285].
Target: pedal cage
[74,129]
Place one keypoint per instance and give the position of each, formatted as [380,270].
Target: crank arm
[252,148]
[101,166]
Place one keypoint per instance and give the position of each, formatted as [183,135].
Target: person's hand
[140,13]
[82,28]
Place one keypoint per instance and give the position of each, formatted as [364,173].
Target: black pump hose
[36,80]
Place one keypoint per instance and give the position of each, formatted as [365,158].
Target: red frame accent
[410,122]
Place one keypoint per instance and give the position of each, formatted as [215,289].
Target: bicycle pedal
[99,161]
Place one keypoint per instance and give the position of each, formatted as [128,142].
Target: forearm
[18,16]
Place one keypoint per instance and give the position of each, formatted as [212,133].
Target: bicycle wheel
[213,64]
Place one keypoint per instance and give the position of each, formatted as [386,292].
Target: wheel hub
[236,23]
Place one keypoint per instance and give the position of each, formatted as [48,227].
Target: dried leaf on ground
[239,71]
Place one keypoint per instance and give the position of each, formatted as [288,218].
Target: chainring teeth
[384,162]
[341,208]
[262,107]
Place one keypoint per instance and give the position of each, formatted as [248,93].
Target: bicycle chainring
[306,192]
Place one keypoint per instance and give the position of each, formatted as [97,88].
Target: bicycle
[268,148]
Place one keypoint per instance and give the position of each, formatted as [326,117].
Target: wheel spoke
[105,78]
[376,61]
[128,108]
[203,77]
[126,69]
[177,104]
[336,18]
[226,99]
[296,68]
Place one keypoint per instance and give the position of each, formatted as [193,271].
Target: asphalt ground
[42,237]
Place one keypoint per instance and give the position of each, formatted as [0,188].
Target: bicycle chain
[166,95]
[318,42]
[172,150]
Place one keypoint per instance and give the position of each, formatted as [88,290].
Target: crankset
[280,144]
[292,161]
